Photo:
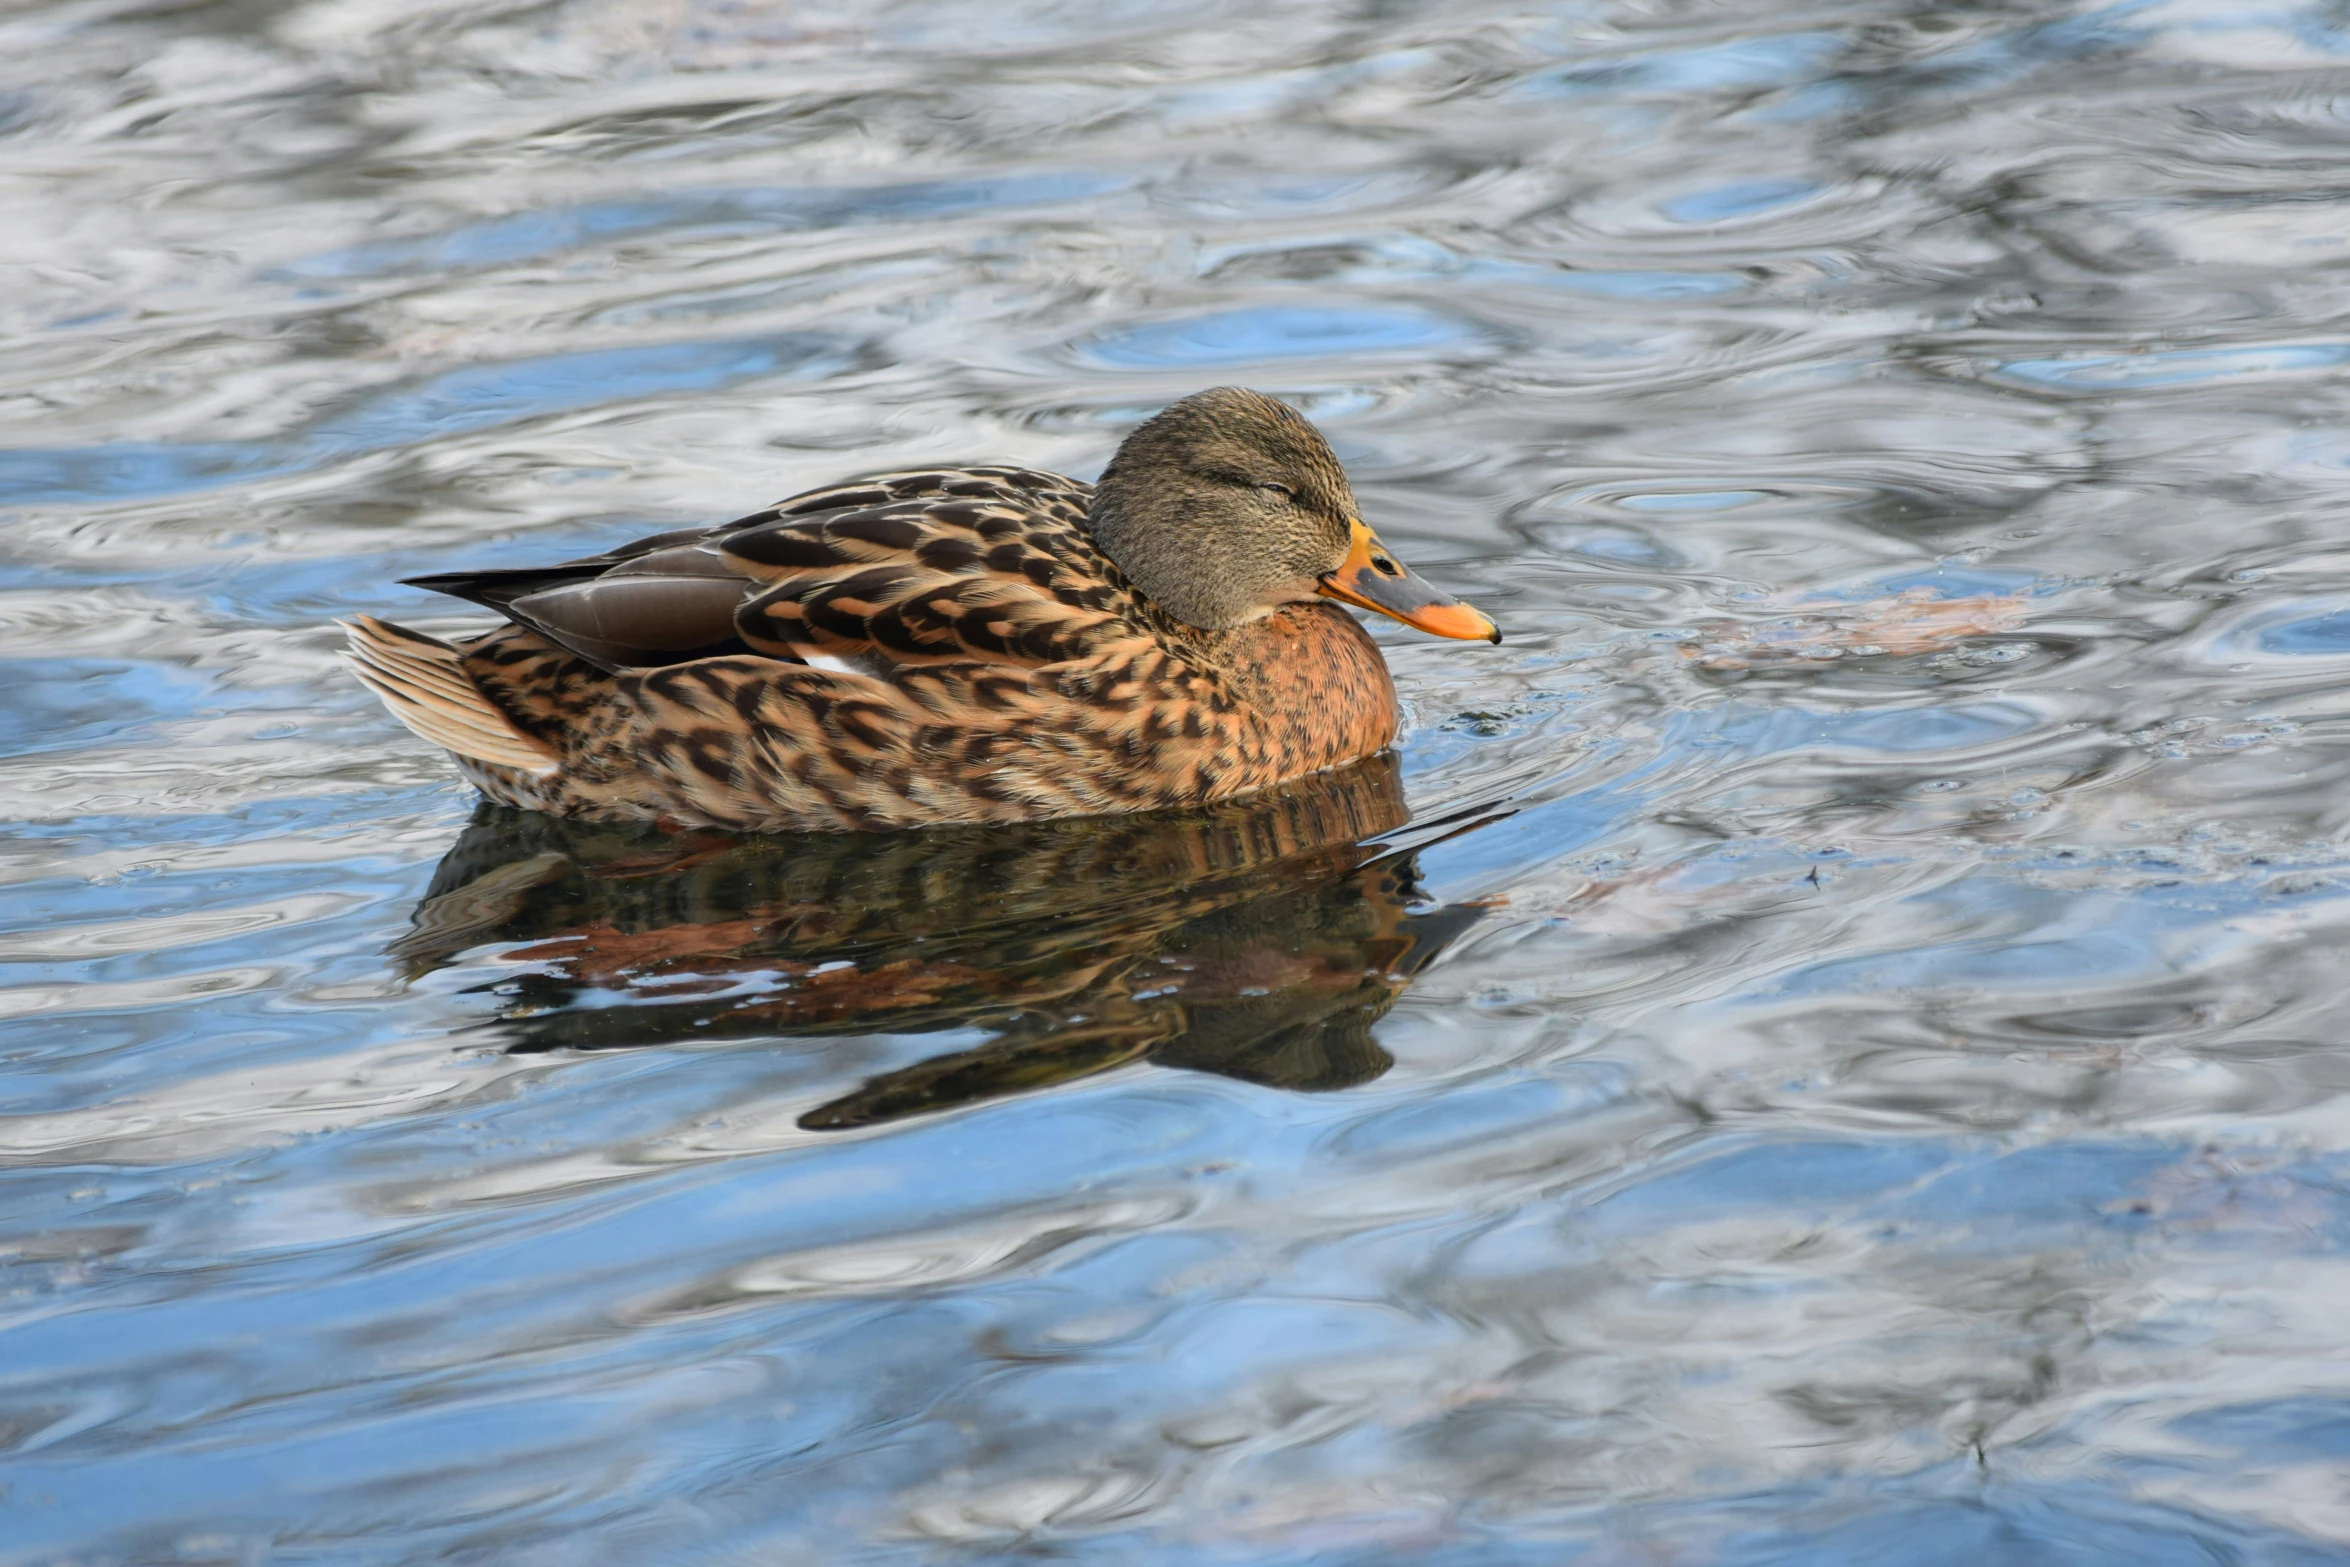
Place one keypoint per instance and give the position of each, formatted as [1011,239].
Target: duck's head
[1228,505]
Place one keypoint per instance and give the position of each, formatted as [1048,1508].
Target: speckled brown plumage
[941,645]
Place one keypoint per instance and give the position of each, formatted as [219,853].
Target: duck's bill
[1375,579]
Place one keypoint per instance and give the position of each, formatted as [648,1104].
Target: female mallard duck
[945,645]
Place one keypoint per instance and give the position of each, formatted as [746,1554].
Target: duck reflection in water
[1259,939]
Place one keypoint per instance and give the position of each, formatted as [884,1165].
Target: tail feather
[423,681]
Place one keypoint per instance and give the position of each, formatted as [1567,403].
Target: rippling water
[1827,1047]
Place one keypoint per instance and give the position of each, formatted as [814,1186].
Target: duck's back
[920,647]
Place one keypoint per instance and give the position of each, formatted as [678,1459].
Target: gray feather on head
[1224,506]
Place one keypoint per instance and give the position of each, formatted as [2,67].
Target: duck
[941,645]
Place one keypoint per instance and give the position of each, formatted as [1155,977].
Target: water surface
[1826,1047]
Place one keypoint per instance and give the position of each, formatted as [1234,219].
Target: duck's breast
[1317,683]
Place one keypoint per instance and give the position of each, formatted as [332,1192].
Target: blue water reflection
[531,236]
[1271,334]
[456,402]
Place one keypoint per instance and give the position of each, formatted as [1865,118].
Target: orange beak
[1373,578]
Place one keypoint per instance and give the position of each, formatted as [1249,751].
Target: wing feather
[423,681]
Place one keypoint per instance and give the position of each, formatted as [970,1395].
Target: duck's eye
[1282,490]
[1385,567]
